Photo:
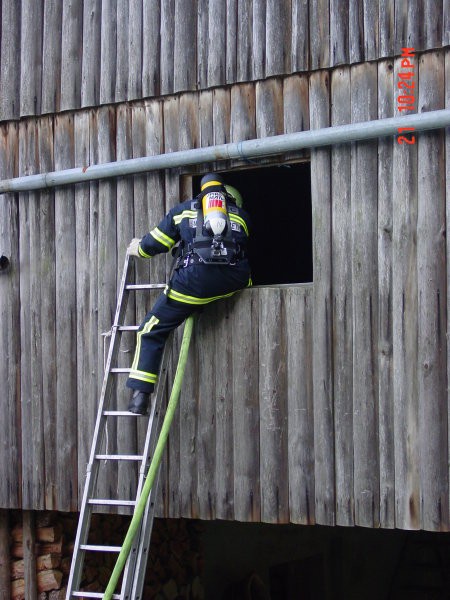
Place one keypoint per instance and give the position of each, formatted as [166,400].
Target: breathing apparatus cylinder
[214,204]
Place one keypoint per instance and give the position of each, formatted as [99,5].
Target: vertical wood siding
[57,56]
[328,402]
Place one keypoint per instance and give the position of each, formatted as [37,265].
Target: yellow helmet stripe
[210,183]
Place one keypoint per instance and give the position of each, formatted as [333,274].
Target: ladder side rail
[149,447]
[92,467]
[142,552]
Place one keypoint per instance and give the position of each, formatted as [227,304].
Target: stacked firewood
[175,561]
[49,551]
[174,568]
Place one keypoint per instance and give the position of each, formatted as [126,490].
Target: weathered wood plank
[185,53]
[206,414]
[30,326]
[356,31]
[10,431]
[246,410]
[365,301]
[221,109]
[144,133]
[296,108]
[386,192]
[386,18]
[244,41]
[86,263]
[319,31]
[202,42]
[47,310]
[300,411]
[217,42]
[94,342]
[72,34]
[10,61]
[66,325]
[433,13]
[167,46]
[151,49]
[431,269]
[278,37]
[339,32]
[188,409]
[149,206]
[273,433]
[342,302]
[300,36]
[259,30]
[447,204]
[224,345]
[108,49]
[243,112]
[122,59]
[231,41]
[171,141]
[107,268]
[90,72]
[130,141]
[446,25]
[221,116]
[51,57]
[405,332]
[371,30]
[409,25]
[322,315]
[31,58]
[135,50]
[269,108]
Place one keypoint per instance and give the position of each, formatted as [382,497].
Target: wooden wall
[328,402]
[58,56]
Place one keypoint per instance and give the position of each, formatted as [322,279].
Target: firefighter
[212,263]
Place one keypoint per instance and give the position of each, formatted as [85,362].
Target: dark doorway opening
[278,200]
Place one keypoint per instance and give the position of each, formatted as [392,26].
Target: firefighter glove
[133,247]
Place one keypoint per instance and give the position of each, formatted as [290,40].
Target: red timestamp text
[406,98]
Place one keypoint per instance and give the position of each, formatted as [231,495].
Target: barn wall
[331,405]
[58,56]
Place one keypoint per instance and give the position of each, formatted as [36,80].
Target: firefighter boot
[139,403]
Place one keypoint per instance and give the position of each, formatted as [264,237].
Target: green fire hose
[154,465]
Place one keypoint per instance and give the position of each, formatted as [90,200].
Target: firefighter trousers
[165,316]
[189,290]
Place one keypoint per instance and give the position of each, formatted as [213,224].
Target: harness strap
[208,250]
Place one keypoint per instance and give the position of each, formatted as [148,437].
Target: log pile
[174,568]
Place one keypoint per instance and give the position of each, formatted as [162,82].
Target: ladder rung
[145,286]
[93,595]
[128,327]
[95,548]
[104,502]
[119,370]
[119,457]
[120,413]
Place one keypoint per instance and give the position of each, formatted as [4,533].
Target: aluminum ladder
[134,573]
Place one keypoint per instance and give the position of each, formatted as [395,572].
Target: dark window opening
[278,200]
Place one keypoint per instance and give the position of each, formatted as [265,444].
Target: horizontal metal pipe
[269,146]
